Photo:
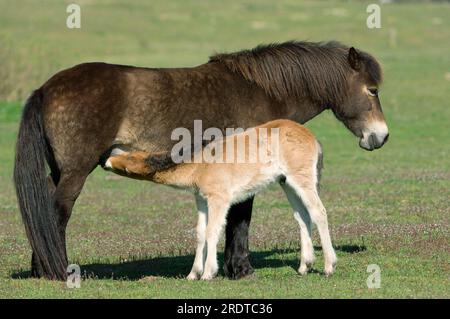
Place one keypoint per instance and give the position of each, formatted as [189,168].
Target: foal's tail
[319,165]
[33,194]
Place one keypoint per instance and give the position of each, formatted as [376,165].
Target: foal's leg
[200,252]
[217,214]
[310,198]
[304,221]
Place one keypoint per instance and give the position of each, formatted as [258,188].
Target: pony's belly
[132,136]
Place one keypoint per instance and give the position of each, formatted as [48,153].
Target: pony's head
[321,75]
[360,110]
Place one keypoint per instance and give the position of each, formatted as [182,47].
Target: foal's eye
[373,92]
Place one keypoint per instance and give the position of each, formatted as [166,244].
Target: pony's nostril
[386,138]
[372,141]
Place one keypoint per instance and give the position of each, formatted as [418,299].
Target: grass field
[134,239]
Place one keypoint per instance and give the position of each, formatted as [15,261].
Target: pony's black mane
[317,71]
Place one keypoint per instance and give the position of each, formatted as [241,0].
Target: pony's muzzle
[373,141]
[374,136]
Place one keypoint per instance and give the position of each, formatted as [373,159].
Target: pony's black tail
[33,194]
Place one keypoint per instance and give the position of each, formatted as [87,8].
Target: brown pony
[81,114]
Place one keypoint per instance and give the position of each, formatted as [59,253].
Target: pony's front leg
[217,213]
[200,252]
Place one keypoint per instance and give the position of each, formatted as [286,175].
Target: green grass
[134,239]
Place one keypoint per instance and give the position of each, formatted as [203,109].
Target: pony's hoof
[238,271]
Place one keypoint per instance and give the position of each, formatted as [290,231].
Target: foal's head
[361,110]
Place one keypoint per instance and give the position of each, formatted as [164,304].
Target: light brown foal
[294,161]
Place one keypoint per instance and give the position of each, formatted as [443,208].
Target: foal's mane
[315,70]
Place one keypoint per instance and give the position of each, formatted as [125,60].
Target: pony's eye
[373,92]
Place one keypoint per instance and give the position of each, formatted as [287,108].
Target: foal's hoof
[329,270]
[303,270]
[207,277]
[193,276]
[305,266]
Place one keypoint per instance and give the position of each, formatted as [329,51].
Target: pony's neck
[303,111]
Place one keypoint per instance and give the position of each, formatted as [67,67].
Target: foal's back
[290,150]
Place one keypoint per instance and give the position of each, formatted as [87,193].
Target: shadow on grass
[179,266]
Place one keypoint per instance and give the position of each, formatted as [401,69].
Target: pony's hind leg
[304,221]
[200,252]
[310,199]
[217,214]
[65,189]
[65,195]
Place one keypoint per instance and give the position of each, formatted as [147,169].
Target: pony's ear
[354,59]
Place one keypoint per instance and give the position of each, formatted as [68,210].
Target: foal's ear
[354,59]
